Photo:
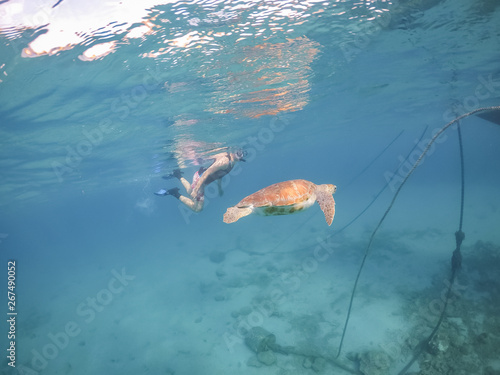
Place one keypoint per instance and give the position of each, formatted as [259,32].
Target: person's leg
[186,184]
[177,173]
[193,204]
[200,184]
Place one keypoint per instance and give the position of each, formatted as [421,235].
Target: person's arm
[218,163]
[219,186]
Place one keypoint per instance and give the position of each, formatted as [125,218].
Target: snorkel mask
[240,154]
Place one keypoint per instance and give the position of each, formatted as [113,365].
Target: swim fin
[173,192]
[161,192]
[176,173]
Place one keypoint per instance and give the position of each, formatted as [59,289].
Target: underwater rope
[456,262]
[381,190]
[456,259]
[374,159]
[462,174]
[364,210]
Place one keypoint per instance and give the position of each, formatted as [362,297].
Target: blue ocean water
[100,101]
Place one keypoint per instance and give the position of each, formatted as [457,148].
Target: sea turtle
[285,198]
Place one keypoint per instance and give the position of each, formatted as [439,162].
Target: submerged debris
[468,340]
[375,362]
[266,357]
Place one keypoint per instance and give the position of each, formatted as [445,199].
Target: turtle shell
[285,193]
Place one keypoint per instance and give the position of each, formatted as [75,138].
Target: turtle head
[331,188]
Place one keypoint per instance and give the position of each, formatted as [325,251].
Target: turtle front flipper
[235,213]
[326,202]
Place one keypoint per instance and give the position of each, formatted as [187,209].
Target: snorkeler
[222,164]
